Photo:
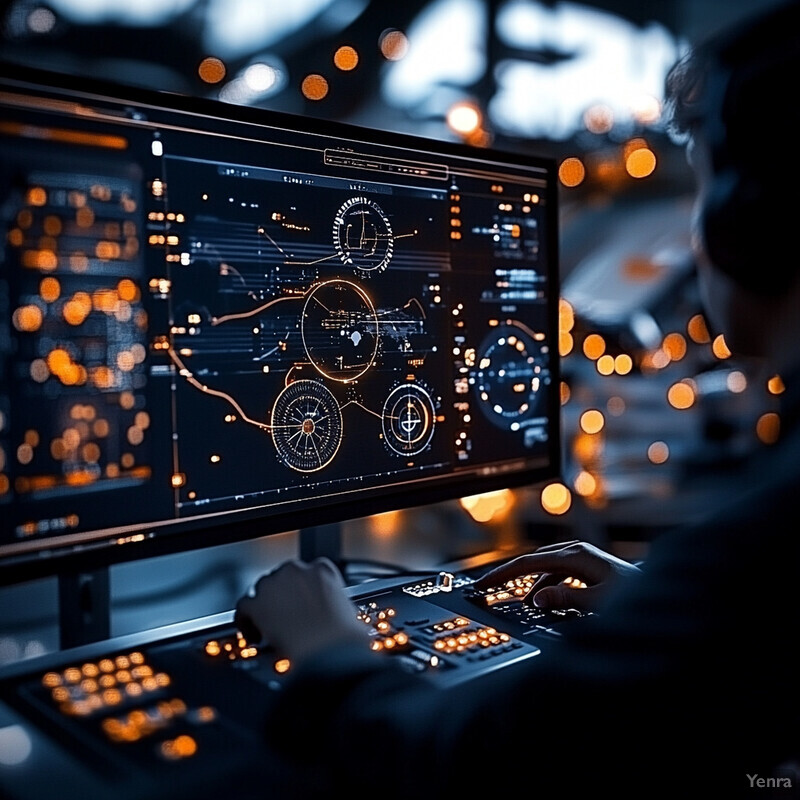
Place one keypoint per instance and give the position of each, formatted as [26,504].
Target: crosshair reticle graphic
[511,370]
[408,419]
[306,426]
[339,327]
[362,235]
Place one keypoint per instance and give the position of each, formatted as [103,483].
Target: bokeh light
[211,70]
[15,745]
[720,348]
[586,448]
[585,483]
[314,87]
[489,506]
[571,172]
[623,364]
[616,406]
[605,364]
[556,499]
[736,381]
[566,315]
[393,44]
[386,525]
[594,345]
[640,163]
[255,82]
[658,452]
[260,77]
[768,428]
[41,20]
[698,330]
[775,385]
[50,289]
[346,58]
[681,395]
[646,109]
[464,118]
[592,421]
[675,346]
[599,118]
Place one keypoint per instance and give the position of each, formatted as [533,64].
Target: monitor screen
[221,322]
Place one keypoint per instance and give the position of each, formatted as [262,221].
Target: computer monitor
[222,322]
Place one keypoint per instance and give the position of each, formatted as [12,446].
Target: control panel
[182,707]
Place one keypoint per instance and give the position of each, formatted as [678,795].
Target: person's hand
[580,561]
[300,608]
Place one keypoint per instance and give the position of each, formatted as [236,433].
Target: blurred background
[655,411]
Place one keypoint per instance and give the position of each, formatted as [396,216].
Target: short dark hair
[725,92]
[726,84]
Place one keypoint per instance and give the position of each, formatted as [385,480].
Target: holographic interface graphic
[215,313]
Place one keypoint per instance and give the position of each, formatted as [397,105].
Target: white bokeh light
[255,82]
[596,58]
[446,47]
[15,745]
[237,27]
[132,12]
[261,77]
[605,59]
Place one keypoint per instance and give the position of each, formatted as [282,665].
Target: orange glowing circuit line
[284,253]
[422,310]
[186,373]
[277,246]
[64,135]
[310,263]
[319,260]
[320,303]
[369,411]
[516,323]
[360,405]
[252,312]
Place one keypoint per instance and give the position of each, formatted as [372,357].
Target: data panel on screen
[212,312]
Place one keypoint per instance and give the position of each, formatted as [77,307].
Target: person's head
[734,97]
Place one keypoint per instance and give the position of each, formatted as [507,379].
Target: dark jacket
[685,683]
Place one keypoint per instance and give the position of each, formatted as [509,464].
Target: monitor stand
[321,540]
[84,597]
[84,607]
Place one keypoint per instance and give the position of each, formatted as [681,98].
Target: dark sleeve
[686,672]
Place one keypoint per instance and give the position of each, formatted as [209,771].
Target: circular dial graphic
[362,235]
[340,330]
[408,419]
[306,426]
[511,368]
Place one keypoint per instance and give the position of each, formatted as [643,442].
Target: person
[685,681]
